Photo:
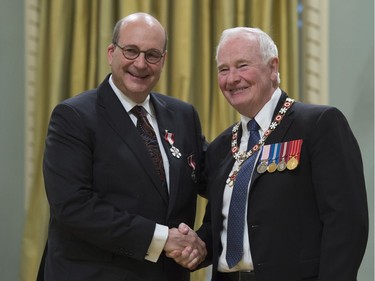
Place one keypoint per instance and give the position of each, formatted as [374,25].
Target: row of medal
[279,156]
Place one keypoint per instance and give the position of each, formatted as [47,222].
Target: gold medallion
[271,167]
[292,163]
[262,167]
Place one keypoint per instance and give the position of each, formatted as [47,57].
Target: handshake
[185,247]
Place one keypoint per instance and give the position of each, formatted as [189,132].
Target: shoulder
[172,104]
[80,107]
[306,111]
[87,100]
[313,119]
[83,98]
[169,101]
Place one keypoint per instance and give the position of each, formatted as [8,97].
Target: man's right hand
[185,247]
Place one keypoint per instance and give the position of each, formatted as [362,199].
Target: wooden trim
[315,64]
[31,50]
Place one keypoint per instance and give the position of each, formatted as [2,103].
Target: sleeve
[157,243]
[338,180]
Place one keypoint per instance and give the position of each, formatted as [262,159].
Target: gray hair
[267,46]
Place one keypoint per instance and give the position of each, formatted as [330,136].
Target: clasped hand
[185,247]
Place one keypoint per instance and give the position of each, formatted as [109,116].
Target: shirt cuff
[157,243]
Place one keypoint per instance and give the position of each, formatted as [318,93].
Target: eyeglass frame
[139,52]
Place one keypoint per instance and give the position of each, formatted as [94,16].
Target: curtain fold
[73,38]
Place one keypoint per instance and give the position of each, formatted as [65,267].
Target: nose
[140,61]
[233,76]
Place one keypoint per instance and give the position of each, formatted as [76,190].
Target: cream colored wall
[11,136]
[351,88]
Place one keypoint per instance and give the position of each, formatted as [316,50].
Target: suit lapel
[113,112]
[164,116]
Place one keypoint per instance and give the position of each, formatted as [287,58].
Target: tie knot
[252,125]
[138,111]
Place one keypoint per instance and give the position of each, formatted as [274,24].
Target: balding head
[140,18]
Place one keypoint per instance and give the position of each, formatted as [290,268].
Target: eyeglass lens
[152,55]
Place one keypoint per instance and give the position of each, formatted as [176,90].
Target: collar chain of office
[241,157]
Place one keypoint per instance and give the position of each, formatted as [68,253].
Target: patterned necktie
[149,137]
[237,207]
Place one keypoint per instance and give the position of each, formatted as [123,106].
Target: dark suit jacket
[104,193]
[310,223]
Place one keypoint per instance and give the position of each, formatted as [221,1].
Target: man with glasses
[122,168]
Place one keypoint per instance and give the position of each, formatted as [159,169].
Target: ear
[164,57]
[110,50]
[274,67]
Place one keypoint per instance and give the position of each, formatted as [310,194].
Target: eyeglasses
[132,52]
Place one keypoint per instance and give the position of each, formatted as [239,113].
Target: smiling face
[136,78]
[246,81]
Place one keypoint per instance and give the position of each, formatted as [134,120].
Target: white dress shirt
[263,119]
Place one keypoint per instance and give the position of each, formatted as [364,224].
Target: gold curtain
[73,37]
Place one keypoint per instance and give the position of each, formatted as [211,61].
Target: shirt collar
[127,103]
[264,116]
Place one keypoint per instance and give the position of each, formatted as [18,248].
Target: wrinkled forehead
[238,48]
[241,42]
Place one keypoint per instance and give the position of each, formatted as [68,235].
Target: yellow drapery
[72,41]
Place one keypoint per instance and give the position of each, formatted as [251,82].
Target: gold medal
[292,163]
[281,166]
[295,150]
[262,167]
[271,167]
